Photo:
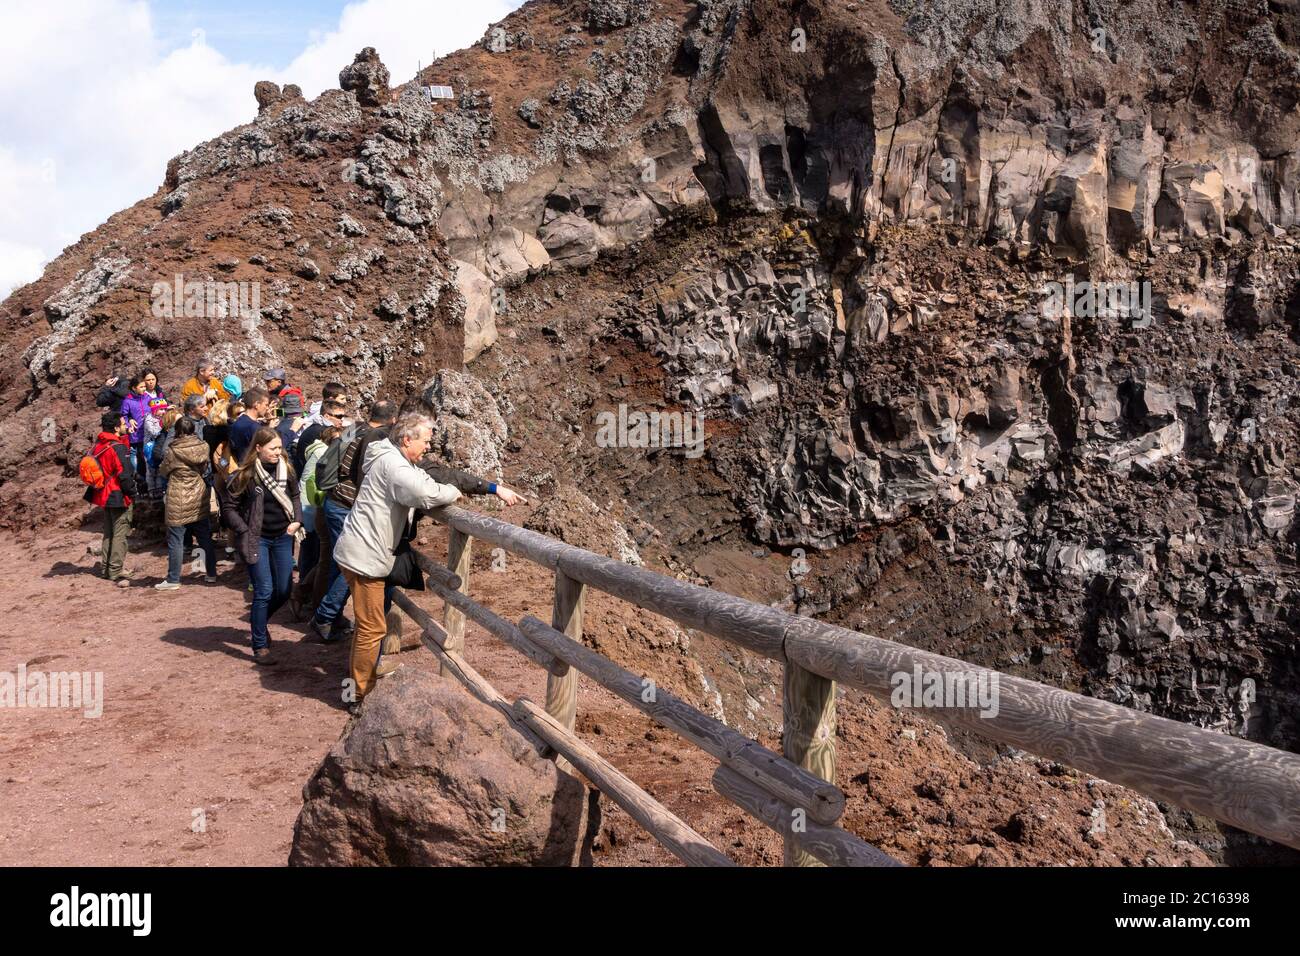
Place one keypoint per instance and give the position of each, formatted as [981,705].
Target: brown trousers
[372,625]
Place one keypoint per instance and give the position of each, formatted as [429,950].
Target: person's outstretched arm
[469,484]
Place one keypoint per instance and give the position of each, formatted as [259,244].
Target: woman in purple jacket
[135,408]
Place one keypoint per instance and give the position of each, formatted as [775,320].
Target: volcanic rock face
[366,78]
[1024,276]
[429,776]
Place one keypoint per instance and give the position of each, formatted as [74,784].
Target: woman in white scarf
[260,501]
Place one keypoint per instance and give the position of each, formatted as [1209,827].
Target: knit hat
[232,386]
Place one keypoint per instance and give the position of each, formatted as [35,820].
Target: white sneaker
[166,586]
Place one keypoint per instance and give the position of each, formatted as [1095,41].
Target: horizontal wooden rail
[434,638]
[832,845]
[665,826]
[439,584]
[823,801]
[751,625]
[1235,781]
[1238,782]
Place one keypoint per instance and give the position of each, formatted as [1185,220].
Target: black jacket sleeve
[110,397]
[127,478]
[294,490]
[462,481]
[232,510]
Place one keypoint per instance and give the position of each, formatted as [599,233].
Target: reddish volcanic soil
[189,724]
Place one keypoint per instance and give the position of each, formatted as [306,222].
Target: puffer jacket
[243,513]
[135,408]
[184,466]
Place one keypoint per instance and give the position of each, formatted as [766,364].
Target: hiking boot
[263,657]
[122,582]
[385,668]
[167,586]
[209,579]
[316,632]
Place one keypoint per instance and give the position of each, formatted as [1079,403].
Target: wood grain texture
[1235,781]
[747,623]
[824,801]
[832,846]
[666,827]
[807,736]
[566,617]
[459,545]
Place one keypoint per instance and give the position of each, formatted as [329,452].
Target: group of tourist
[286,488]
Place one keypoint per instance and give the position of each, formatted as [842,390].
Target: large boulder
[468,431]
[429,776]
[480,315]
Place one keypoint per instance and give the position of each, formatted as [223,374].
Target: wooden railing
[1234,781]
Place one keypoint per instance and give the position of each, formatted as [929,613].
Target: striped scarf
[277,487]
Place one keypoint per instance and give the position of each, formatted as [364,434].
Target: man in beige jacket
[393,487]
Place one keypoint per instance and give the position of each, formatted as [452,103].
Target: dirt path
[199,757]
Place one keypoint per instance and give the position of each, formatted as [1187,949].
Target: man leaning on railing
[394,486]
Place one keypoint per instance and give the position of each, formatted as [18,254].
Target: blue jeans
[176,548]
[309,553]
[336,592]
[272,578]
[141,465]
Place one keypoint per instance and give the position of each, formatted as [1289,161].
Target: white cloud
[94,107]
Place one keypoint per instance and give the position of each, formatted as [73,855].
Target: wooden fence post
[566,616]
[453,621]
[808,738]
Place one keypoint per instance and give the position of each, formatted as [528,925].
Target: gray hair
[408,427]
[194,401]
[203,363]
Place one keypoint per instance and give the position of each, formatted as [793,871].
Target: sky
[100,94]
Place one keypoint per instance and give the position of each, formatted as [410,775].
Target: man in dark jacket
[338,467]
[112,450]
[331,414]
[114,391]
[257,408]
